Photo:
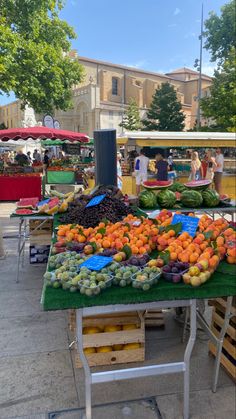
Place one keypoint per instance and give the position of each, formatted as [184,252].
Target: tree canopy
[220,106]
[165,112]
[34,59]
[131,119]
[220,32]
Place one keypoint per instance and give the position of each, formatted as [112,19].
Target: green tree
[220,32]
[165,112]
[220,106]
[34,59]
[131,119]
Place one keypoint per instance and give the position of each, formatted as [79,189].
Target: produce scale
[109,257]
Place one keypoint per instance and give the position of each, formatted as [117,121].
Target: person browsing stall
[161,167]
[218,170]
[141,163]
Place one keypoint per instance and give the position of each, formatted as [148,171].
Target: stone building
[100,100]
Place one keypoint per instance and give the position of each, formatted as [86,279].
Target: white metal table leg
[23,245]
[220,342]
[87,372]
[187,355]
[19,247]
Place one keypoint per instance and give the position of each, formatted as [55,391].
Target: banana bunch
[60,195]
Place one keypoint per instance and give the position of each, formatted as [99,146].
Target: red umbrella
[42,133]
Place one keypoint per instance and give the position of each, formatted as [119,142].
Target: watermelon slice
[198,184]
[27,203]
[225,198]
[23,211]
[157,184]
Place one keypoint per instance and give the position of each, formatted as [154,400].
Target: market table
[23,234]
[162,295]
[13,188]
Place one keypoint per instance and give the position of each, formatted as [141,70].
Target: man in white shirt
[141,167]
[218,171]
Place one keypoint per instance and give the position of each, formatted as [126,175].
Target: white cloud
[172,25]
[177,11]
[138,64]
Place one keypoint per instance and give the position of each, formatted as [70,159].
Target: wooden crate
[154,318]
[228,355]
[47,225]
[41,238]
[112,338]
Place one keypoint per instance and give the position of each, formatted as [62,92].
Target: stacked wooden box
[40,232]
[125,338]
[228,356]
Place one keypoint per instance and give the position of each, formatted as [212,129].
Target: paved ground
[37,376]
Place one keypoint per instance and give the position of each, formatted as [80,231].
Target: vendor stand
[25,187]
[132,141]
[122,300]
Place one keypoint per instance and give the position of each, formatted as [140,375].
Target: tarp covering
[42,133]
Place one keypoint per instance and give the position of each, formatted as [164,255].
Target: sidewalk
[38,378]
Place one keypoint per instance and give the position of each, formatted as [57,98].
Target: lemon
[129,326]
[130,346]
[118,347]
[104,349]
[89,351]
[90,330]
[112,328]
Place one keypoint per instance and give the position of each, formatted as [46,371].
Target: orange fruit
[106,243]
[231,259]
[193,257]
[81,239]
[231,252]
[173,256]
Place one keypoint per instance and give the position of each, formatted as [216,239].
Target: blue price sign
[189,224]
[96,263]
[95,201]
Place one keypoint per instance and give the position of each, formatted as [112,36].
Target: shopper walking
[211,164]
[141,167]
[218,170]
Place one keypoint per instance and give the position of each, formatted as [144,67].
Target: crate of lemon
[112,339]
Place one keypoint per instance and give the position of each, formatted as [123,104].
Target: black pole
[105,157]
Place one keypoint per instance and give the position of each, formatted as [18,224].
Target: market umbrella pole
[105,157]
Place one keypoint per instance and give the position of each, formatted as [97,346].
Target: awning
[42,133]
[181,139]
[121,140]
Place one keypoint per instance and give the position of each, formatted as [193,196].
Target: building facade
[100,100]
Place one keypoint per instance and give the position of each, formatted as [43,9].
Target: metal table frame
[146,371]
[218,341]
[23,235]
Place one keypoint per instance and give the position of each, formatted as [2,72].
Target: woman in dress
[211,165]
[196,167]
[119,172]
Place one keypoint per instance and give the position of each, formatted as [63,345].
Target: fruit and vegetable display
[58,203]
[112,208]
[157,184]
[141,251]
[194,194]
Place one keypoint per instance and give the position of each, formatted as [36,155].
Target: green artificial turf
[219,285]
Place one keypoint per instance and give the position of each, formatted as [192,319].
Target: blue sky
[155,35]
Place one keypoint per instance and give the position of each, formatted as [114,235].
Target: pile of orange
[144,235]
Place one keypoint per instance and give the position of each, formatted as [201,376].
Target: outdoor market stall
[118,300]
[132,141]
[14,187]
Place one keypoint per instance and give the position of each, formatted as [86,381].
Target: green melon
[147,199]
[191,199]
[166,199]
[210,198]
[177,187]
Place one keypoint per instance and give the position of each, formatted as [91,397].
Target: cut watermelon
[27,203]
[198,184]
[24,211]
[225,198]
[157,184]
[53,202]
